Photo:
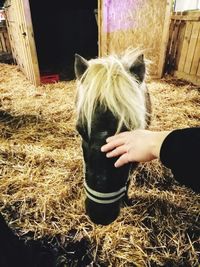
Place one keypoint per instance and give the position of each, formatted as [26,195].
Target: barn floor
[41,180]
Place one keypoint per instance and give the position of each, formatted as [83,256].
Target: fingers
[115,137]
[112,144]
[116,147]
[118,151]
[122,160]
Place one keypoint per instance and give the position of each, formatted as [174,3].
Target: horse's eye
[99,138]
[83,133]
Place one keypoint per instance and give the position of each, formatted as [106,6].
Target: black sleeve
[15,252]
[180,152]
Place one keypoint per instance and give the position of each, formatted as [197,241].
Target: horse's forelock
[108,82]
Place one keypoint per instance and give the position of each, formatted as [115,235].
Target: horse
[111,97]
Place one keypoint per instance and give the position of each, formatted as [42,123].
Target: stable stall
[45,35]
[183,52]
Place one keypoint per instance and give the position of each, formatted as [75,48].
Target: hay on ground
[41,179]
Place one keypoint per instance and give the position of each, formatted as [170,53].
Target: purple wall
[119,15]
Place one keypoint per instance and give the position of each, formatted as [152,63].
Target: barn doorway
[61,29]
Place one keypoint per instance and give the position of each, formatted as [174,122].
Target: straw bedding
[41,180]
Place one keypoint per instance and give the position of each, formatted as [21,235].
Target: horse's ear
[80,66]
[138,68]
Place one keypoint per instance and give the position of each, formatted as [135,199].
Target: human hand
[134,146]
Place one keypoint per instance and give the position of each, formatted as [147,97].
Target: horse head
[111,97]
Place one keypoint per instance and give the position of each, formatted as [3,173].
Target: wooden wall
[135,23]
[19,25]
[183,52]
[4,40]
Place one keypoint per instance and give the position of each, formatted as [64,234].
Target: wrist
[157,140]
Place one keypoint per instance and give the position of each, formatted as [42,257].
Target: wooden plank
[186,12]
[188,77]
[100,27]
[17,36]
[10,26]
[192,46]
[196,59]
[184,51]
[3,43]
[31,42]
[175,38]
[195,17]
[7,43]
[4,37]
[1,46]
[23,36]
[174,46]
[171,30]
[169,48]
[15,31]
[20,30]
[29,62]
[12,44]
[104,41]
[198,71]
[181,35]
[165,37]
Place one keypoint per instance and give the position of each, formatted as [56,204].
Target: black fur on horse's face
[100,173]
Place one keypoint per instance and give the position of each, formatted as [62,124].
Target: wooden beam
[185,46]
[31,42]
[103,31]
[180,43]
[20,29]
[2,42]
[198,71]
[187,16]
[187,77]
[196,59]
[192,46]
[165,38]
[99,28]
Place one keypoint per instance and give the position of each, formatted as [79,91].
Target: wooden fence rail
[183,52]
[4,39]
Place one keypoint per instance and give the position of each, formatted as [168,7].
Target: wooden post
[103,34]
[20,29]
[196,59]
[191,47]
[31,41]
[165,38]
[99,27]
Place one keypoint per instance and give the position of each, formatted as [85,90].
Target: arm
[178,150]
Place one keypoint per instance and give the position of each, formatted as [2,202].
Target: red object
[51,78]
[2,15]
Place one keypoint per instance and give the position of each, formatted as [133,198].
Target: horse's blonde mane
[109,83]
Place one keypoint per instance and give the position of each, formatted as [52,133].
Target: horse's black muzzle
[103,214]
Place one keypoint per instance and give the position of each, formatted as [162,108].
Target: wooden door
[20,30]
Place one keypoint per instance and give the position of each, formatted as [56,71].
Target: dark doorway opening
[63,28]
